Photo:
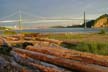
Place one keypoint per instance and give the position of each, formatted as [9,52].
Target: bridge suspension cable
[37,19]
[8,16]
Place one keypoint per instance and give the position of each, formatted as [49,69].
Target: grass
[80,37]
[93,43]
[96,43]
[102,31]
[64,36]
[91,47]
[9,32]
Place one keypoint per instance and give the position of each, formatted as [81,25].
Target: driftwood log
[44,67]
[49,40]
[71,54]
[69,59]
[7,64]
[70,64]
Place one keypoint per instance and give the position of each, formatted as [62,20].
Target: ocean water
[60,30]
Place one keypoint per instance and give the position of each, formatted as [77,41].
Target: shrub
[91,47]
[102,31]
[9,32]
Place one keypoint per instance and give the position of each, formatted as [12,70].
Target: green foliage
[9,32]
[105,16]
[87,47]
[102,31]
[66,36]
[4,28]
[93,43]
[89,24]
[91,47]
[102,16]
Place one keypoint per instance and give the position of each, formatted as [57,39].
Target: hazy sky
[55,8]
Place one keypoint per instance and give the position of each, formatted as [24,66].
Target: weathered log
[92,58]
[7,64]
[25,60]
[64,53]
[19,42]
[12,38]
[51,51]
[71,64]
[44,69]
[22,61]
[71,42]
[49,40]
[39,39]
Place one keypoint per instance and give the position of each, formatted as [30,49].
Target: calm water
[60,30]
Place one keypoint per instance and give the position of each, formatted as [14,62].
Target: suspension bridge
[20,18]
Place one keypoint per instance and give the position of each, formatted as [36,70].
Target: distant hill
[73,26]
[102,21]
[89,24]
[57,27]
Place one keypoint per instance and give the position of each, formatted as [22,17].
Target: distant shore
[63,30]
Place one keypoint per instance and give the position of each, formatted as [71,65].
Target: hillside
[102,21]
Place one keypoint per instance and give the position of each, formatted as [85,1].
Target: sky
[55,8]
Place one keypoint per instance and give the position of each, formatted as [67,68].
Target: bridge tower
[20,21]
[85,26]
